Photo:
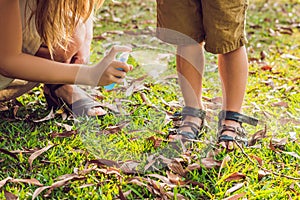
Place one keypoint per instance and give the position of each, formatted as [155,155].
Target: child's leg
[190,65]
[224,24]
[233,69]
[180,22]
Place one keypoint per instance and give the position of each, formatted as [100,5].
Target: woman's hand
[106,72]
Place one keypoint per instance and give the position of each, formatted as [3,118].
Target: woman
[48,42]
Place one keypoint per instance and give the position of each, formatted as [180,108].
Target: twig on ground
[262,168]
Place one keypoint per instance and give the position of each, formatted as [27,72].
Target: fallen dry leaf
[15,111]
[263,55]
[130,167]
[27,151]
[258,136]
[152,159]
[173,105]
[272,147]
[162,178]
[262,173]
[177,168]
[38,153]
[280,104]
[279,142]
[175,179]
[64,134]
[192,167]
[235,196]
[285,30]
[293,136]
[8,153]
[171,195]
[210,163]
[110,171]
[4,181]
[294,154]
[51,115]
[3,107]
[127,193]
[117,128]
[145,99]
[136,85]
[32,181]
[196,183]
[289,56]
[295,187]
[284,121]
[266,68]
[224,162]
[138,181]
[111,107]
[10,196]
[156,141]
[121,194]
[217,100]
[56,185]
[104,162]
[234,188]
[258,159]
[235,176]
[84,171]
[66,126]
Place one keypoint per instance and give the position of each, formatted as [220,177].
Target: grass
[272,96]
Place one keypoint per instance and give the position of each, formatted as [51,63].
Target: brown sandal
[240,131]
[196,129]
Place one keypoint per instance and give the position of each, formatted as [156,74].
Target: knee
[190,50]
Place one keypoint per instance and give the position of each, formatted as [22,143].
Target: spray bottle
[123,57]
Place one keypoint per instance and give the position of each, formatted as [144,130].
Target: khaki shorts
[218,23]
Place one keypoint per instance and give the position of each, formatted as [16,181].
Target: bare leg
[190,65]
[233,69]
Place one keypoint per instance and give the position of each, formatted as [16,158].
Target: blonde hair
[56,20]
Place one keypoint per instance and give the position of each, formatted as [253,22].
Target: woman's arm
[15,64]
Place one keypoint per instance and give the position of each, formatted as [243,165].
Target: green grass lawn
[124,155]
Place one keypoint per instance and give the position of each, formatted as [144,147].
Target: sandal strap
[194,112]
[187,134]
[82,106]
[238,117]
[241,134]
[239,130]
[195,128]
[227,138]
[52,99]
